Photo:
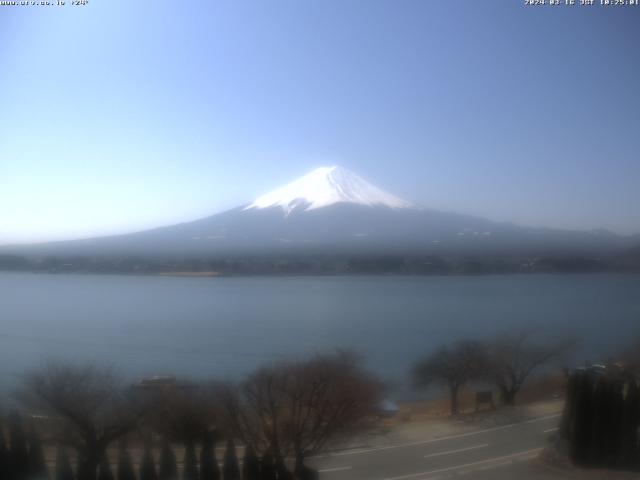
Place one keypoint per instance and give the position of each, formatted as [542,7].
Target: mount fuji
[332,210]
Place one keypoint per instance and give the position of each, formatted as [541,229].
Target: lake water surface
[224,327]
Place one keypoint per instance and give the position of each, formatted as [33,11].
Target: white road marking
[493,466]
[456,451]
[336,469]
[555,415]
[550,430]
[441,439]
[465,465]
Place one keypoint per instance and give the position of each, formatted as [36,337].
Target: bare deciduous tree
[299,407]
[453,366]
[253,409]
[183,414]
[630,356]
[90,404]
[327,397]
[513,357]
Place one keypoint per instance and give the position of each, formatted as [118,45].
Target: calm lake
[224,327]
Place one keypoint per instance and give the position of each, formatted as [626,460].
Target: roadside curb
[570,471]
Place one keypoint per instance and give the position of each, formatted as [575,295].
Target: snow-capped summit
[326,186]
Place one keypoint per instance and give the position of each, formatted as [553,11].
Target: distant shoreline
[187,274]
[213,274]
[327,264]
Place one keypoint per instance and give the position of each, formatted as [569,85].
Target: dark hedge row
[22,458]
[601,419]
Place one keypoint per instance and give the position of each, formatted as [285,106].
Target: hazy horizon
[121,117]
[247,203]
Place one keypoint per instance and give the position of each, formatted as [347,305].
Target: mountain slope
[333,211]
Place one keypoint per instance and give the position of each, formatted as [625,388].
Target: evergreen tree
[37,464]
[104,469]
[147,465]
[599,420]
[302,472]
[250,465]
[190,471]
[633,402]
[616,406]
[267,467]
[281,469]
[209,469]
[63,465]
[125,465]
[19,453]
[230,467]
[168,467]
[581,438]
[88,468]
[630,421]
[568,415]
[4,456]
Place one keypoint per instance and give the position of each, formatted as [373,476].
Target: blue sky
[123,115]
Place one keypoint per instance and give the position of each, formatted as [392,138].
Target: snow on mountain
[326,186]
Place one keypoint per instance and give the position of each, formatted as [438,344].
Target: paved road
[499,452]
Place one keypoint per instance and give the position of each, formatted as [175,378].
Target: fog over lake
[224,327]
